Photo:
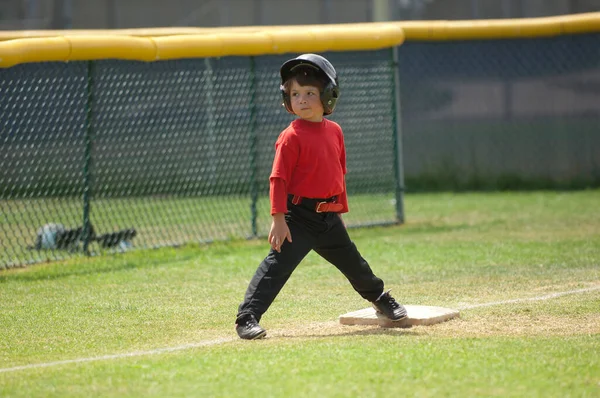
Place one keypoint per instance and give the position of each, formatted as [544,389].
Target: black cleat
[249,329]
[389,307]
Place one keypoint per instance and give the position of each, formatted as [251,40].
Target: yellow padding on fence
[172,43]
[502,28]
[216,44]
[414,30]
[75,48]
[280,41]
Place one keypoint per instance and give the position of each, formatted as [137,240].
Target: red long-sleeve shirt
[310,161]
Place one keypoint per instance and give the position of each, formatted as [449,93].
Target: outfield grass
[456,250]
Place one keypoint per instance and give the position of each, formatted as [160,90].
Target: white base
[417,315]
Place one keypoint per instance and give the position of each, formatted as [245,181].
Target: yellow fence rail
[172,43]
[78,47]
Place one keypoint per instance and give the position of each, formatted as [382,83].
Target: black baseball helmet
[322,66]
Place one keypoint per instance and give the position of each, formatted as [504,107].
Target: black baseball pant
[324,233]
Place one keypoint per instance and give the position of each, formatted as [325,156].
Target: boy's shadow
[363,331]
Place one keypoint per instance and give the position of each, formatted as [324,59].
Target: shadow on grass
[378,331]
[342,332]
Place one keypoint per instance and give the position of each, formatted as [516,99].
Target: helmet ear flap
[329,97]
[287,101]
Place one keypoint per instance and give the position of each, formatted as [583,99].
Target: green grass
[455,250]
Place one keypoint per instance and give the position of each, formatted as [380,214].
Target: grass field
[158,323]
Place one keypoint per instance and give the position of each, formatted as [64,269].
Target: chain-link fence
[501,114]
[108,155]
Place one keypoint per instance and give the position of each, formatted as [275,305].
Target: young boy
[308,195]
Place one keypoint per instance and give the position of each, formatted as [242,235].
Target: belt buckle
[318,208]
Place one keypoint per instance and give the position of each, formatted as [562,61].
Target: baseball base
[417,315]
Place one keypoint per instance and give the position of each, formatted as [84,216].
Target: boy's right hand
[279,232]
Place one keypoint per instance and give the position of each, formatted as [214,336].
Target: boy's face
[306,102]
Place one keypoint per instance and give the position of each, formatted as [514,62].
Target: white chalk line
[119,356]
[207,343]
[538,298]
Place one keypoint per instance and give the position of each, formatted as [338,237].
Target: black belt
[319,205]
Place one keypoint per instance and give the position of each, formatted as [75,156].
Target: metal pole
[88,158]
[397,131]
[381,10]
[211,122]
[253,150]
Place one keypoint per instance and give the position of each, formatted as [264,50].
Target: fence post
[211,123]
[397,131]
[88,156]
[253,149]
